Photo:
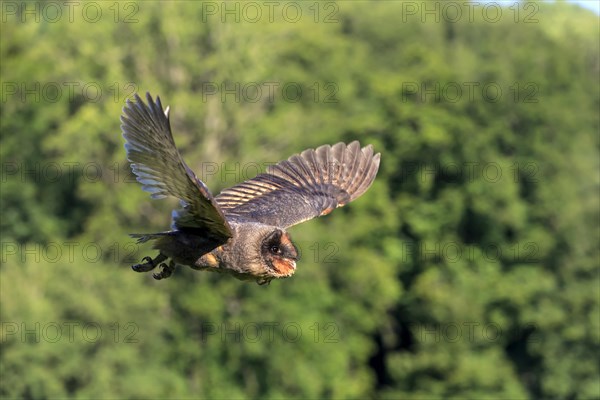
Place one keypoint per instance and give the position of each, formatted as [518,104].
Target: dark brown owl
[242,231]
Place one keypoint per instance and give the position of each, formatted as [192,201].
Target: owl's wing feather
[160,169]
[303,187]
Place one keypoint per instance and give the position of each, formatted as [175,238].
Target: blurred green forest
[470,269]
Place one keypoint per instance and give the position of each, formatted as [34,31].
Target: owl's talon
[149,265]
[143,267]
[166,271]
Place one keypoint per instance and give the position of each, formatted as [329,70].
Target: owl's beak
[284,267]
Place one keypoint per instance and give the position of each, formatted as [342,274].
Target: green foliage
[468,270]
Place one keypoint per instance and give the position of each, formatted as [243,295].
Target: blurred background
[468,270]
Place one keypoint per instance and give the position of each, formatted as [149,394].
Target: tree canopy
[468,270]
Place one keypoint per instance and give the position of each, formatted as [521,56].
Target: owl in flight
[242,231]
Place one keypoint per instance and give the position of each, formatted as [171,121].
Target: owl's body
[241,256]
[242,231]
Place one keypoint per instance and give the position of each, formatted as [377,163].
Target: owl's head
[279,254]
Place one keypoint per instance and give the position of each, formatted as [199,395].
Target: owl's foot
[166,271]
[264,281]
[150,264]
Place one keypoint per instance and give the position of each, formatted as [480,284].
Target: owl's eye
[275,249]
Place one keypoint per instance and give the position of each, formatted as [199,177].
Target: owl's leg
[150,264]
[166,271]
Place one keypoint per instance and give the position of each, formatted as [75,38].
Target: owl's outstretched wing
[160,169]
[303,187]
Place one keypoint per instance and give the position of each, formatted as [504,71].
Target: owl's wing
[303,187]
[160,169]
